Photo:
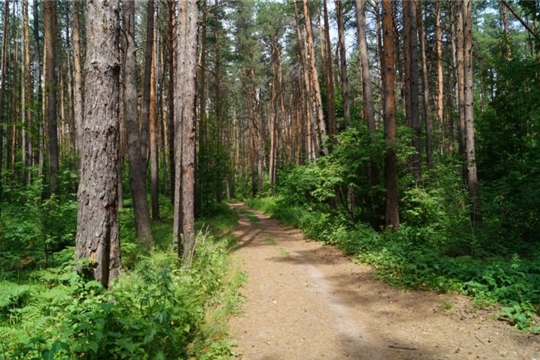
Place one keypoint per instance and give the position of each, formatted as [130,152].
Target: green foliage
[156,310]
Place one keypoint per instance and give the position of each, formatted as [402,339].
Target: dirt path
[305,300]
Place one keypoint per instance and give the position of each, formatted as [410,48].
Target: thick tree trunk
[26,96]
[97,221]
[49,9]
[145,116]
[137,168]
[389,113]
[184,207]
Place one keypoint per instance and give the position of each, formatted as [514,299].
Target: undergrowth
[157,309]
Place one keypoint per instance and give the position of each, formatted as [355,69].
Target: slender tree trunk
[425,84]
[472,177]
[49,8]
[170,103]
[343,64]
[410,44]
[184,207]
[3,68]
[389,110]
[329,75]
[153,123]
[440,78]
[137,168]
[97,221]
[145,116]
[460,79]
[26,96]
[317,101]
[78,102]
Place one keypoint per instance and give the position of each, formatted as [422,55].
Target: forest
[405,133]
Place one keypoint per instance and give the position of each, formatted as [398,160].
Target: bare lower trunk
[97,221]
[184,201]
[137,168]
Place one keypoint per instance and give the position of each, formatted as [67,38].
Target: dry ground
[304,300]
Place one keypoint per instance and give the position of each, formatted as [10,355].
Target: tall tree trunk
[145,117]
[367,92]
[410,44]
[78,102]
[153,124]
[137,168]
[314,77]
[440,79]
[97,220]
[472,177]
[26,96]
[171,36]
[343,64]
[425,84]
[49,13]
[329,76]
[3,68]
[389,113]
[460,80]
[184,207]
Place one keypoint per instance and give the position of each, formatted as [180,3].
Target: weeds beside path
[305,300]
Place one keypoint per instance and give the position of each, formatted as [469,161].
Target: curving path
[304,300]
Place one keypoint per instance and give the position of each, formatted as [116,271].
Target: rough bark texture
[145,117]
[389,108]
[171,13]
[137,165]
[184,209]
[97,221]
[49,13]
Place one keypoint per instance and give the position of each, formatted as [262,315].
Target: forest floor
[306,300]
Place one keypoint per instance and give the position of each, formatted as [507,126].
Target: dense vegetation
[406,133]
[157,309]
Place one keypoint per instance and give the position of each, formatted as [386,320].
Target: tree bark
[78,101]
[97,222]
[145,117]
[314,77]
[153,125]
[472,177]
[425,84]
[49,13]
[389,113]
[171,36]
[136,161]
[343,64]
[184,209]
[329,76]
[3,67]
[440,78]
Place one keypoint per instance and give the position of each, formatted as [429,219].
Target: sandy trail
[305,300]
